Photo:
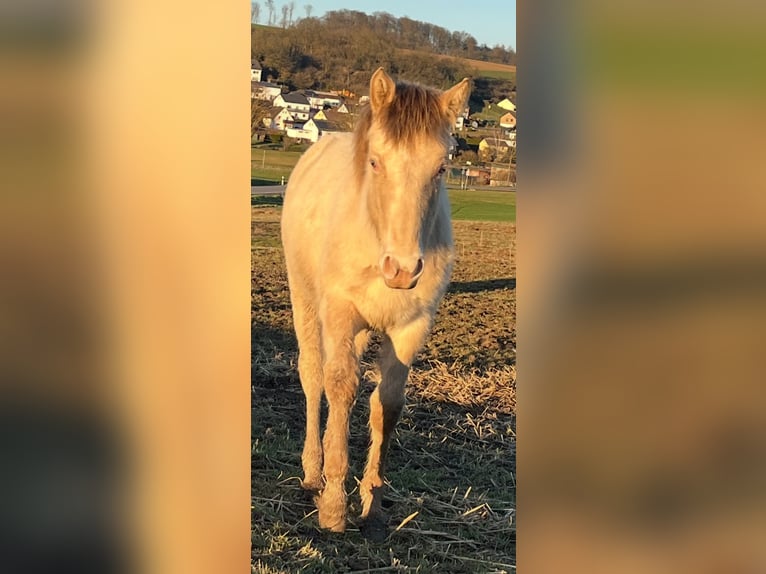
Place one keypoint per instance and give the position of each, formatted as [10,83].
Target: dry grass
[478,65]
[451,499]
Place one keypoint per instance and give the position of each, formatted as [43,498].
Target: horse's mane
[415,111]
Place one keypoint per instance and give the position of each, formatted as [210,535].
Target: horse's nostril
[418,268]
[389,267]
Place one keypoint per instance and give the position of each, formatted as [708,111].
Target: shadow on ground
[483,285]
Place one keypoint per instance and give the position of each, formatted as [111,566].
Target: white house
[264,91]
[313,130]
[279,119]
[255,70]
[296,103]
[318,100]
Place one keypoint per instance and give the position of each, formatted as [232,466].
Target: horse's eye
[442,170]
[374,164]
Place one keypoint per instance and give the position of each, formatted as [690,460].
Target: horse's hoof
[374,529]
[332,523]
[313,486]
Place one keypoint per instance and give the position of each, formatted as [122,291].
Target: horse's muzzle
[396,276]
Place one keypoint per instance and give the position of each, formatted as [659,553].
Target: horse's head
[402,143]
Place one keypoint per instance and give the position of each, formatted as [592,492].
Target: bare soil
[452,465]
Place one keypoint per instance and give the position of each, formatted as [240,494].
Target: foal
[368,246]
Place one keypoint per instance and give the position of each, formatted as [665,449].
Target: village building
[318,100]
[279,119]
[507,105]
[508,120]
[296,103]
[264,91]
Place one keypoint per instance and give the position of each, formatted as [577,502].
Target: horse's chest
[385,308]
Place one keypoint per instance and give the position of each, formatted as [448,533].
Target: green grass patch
[269,166]
[263,158]
[483,205]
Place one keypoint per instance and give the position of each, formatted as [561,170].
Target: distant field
[483,69]
[483,205]
[267,166]
[498,206]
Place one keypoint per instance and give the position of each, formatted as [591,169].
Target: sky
[489,21]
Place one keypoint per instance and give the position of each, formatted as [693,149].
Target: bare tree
[270,6]
[285,10]
[308,8]
[290,9]
[259,111]
[255,12]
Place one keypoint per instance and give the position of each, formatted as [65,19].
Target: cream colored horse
[368,244]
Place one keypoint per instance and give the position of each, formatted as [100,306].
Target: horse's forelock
[415,111]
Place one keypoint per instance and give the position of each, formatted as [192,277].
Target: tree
[290,9]
[308,8]
[259,110]
[285,10]
[270,6]
[255,12]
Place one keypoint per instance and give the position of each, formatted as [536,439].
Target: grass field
[483,205]
[452,461]
[267,166]
[466,205]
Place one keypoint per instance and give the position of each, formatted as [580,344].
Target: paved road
[267,190]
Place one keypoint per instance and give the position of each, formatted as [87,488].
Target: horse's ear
[453,100]
[382,90]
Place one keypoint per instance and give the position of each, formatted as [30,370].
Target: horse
[367,239]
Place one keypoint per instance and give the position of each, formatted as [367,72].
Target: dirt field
[452,462]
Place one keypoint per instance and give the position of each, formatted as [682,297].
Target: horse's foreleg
[340,325]
[397,353]
[310,370]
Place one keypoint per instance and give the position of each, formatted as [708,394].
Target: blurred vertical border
[124,287]
[642,287]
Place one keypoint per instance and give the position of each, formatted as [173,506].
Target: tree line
[403,32]
[341,49]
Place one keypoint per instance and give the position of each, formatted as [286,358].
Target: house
[502,174]
[343,121]
[461,118]
[313,130]
[495,149]
[279,119]
[320,128]
[255,70]
[264,91]
[507,104]
[296,103]
[475,175]
[318,100]
[508,120]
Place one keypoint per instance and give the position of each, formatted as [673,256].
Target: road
[267,190]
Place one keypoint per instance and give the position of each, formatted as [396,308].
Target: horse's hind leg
[307,331]
[397,352]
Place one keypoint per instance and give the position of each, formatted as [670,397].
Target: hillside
[480,68]
[341,49]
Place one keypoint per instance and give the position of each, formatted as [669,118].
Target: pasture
[268,166]
[467,205]
[452,463]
